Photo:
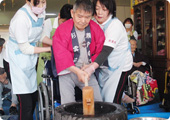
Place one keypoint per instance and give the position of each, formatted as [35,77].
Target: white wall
[123,12]
[6,17]
[4,33]
[53,6]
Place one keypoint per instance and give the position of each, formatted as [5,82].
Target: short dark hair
[109,4]
[85,5]
[65,11]
[36,2]
[128,20]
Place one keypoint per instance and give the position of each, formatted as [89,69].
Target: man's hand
[138,64]
[3,79]
[90,68]
[80,73]
[85,66]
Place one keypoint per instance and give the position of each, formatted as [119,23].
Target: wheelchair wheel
[137,110]
[43,102]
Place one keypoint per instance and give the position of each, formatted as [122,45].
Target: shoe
[127,99]
[13,110]
[2,113]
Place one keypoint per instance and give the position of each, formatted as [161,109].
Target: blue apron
[22,66]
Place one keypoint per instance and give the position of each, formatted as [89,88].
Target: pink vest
[62,44]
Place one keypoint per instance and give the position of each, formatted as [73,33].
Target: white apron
[22,66]
[109,77]
[109,84]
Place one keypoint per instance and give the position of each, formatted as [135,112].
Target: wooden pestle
[88,99]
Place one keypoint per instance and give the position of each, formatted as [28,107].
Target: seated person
[75,46]
[140,63]
[4,83]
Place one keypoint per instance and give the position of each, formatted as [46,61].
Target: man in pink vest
[76,42]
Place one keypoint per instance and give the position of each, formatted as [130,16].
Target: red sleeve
[62,46]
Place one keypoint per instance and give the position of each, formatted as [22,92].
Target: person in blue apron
[116,51]
[50,25]
[25,31]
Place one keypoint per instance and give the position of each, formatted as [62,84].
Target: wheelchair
[49,94]
[135,80]
[46,93]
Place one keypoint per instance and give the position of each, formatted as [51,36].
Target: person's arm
[112,37]
[142,60]
[41,49]
[90,69]
[3,78]
[137,64]
[20,28]
[26,48]
[103,55]
[47,40]
[46,34]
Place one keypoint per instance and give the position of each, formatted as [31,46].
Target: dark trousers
[27,103]
[121,87]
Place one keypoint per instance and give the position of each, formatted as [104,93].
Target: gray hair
[85,5]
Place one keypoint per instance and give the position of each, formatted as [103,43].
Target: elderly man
[75,46]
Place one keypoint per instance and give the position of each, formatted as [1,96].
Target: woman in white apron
[50,25]
[25,31]
[115,54]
